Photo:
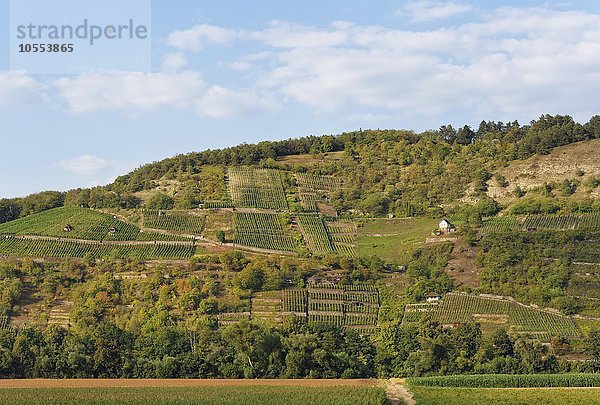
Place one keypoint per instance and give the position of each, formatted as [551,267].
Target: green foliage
[160,201]
[508,381]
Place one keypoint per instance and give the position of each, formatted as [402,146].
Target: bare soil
[101,383]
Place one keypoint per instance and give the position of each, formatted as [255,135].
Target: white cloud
[514,63]
[130,92]
[134,93]
[173,62]
[284,34]
[427,10]
[16,86]
[85,165]
[194,38]
[219,102]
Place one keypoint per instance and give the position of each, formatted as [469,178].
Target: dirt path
[397,391]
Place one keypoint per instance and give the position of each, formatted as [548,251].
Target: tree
[221,236]
[160,201]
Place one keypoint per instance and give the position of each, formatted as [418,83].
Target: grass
[197,395]
[394,239]
[218,220]
[490,396]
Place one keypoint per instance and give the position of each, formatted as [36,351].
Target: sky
[233,71]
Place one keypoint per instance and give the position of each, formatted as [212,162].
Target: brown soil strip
[102,383]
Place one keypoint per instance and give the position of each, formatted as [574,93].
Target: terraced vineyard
[502,224]
[460,308]
[354,307]
[175,221]
[83,223]
[80,223]
[249,187]
[315,234]
[267,306]
[543,222]
[261,230]
[313,188]
[14,247]
[344,236]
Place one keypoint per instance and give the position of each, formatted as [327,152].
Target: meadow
[393,239]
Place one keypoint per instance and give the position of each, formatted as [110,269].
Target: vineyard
[354,307]
[262,231]
[458,308]
[543,222]
[315,234]
[15,247]
[344,237]
[314,188]
[256,188]
[80,223]
[175,221]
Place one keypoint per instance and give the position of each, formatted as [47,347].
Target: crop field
[315,234]
[63,249]
[256,188]
[507,388]
[354,307]
[461,308]
[509,380]
[559,222]
[84,224]
[252,392]
[262,231]
[502,224]
[343,235]
[393,239]
[313,188]
[176,221]
[267,305]
[502,396]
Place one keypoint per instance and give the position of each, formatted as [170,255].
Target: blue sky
[230,71]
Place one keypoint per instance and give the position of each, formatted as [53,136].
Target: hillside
[323,252]
[578,162]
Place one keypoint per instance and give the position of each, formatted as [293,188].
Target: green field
[256,188]
[503,396]
[259,395]
[176,221]
[351,306]
[84,224]
[313,188]
[559,222]
[266,231]
[461,308]
[393,239]
[64,249]
[315,234]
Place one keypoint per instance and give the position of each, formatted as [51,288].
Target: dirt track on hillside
[102,383]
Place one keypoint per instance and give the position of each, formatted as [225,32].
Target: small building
[446,227]
[433,297]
